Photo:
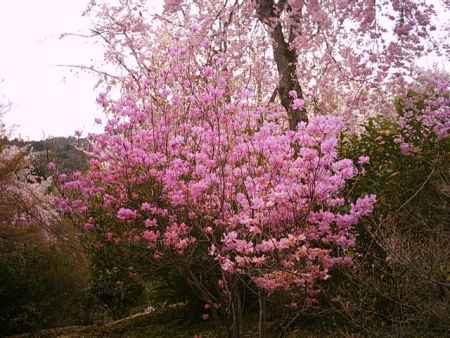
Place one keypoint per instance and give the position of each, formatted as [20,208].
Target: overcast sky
[47,100]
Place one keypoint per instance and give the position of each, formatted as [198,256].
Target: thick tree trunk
[286,60]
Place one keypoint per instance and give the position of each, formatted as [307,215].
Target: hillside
[65,152]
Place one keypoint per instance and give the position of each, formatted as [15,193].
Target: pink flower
[150,236]
[228,266]
[298,104]
[51,166]
[171,5]
[102,100]
[146,206]
[150,223]
[125,214]
[406,149]
[89,226]
[364,205]
[363,159]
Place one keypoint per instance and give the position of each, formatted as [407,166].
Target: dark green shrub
[114,282]
[124,280]
[402,272]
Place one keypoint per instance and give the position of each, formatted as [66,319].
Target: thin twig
[417,192]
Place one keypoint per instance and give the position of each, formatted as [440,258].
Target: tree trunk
[262,315]
[286,60]
[236,307]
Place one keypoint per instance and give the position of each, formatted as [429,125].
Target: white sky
[47,100]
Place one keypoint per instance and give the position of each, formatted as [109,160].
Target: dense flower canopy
[191,164]
[216,151]
[339,56]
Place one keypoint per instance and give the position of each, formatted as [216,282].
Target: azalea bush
[220,190]
[217,165]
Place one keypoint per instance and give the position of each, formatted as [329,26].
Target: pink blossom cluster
[209,171]
[347,51]
[196,162]
[426,113]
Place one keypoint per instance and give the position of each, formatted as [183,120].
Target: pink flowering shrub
[207,176]
[415,139]
[207,161]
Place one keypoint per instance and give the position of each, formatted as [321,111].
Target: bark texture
[286,59]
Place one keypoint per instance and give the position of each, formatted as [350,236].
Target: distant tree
[4,108]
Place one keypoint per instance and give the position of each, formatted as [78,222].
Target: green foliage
[115,283]
[123,279]
[402,272]
[401,182]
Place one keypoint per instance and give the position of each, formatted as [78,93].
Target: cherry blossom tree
[25,207]
[337,55]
